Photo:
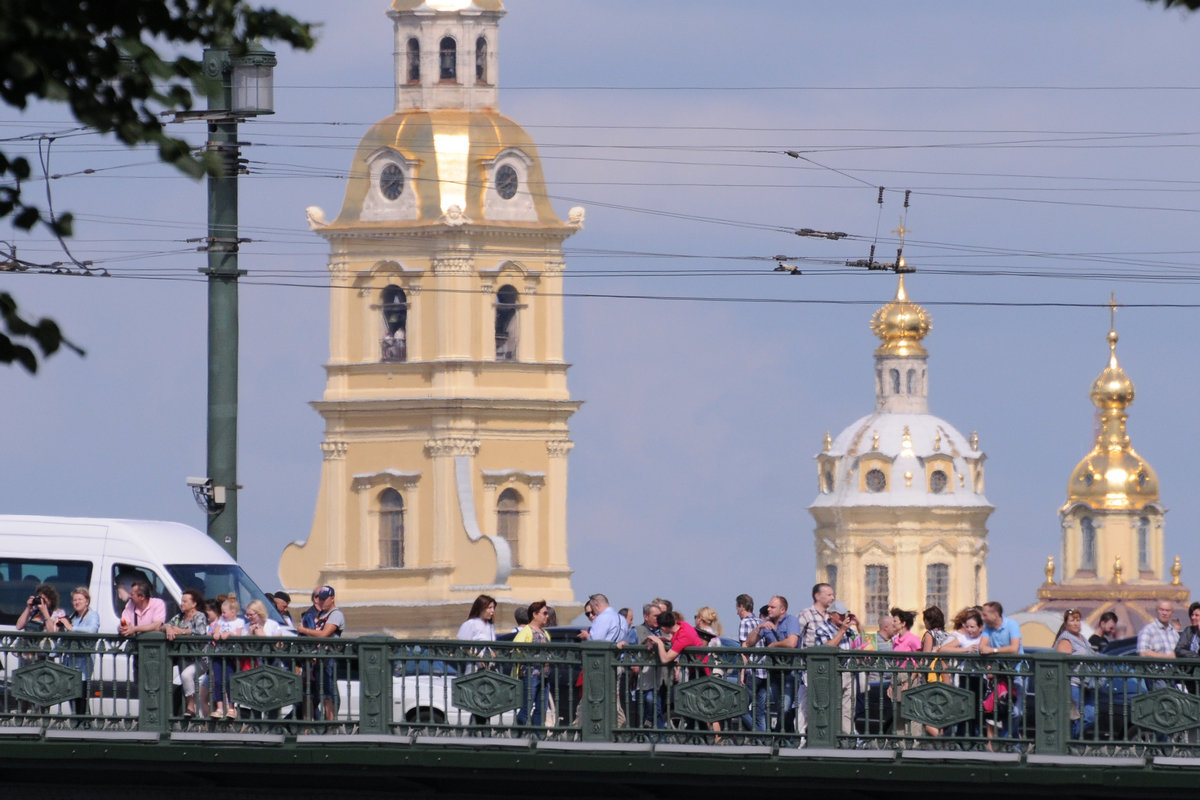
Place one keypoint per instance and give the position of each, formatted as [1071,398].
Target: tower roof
[901,325]
[1113,476]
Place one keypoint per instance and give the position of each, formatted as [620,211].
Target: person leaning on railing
[83,619]
[190,621]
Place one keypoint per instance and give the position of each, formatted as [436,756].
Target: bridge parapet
[821,703]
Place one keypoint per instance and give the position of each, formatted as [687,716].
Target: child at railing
[229,624]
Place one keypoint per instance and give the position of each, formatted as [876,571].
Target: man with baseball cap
[330,621]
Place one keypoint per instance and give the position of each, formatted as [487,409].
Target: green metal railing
[820,699]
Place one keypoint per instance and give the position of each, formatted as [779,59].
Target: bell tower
[446,403]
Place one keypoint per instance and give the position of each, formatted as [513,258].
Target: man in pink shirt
[142,613]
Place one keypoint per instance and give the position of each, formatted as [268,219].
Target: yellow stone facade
[901,516]
[446,404]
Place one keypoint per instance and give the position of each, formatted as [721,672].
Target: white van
[106,555]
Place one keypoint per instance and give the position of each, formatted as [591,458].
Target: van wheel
[429,715]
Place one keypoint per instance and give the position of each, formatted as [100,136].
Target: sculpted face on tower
[901,325]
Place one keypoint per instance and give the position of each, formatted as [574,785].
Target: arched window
[1087,545]
[414,61]
[912,380]
[895,376]
[448,59]
[1143,533]
[391,529]
[481,60]
[508,520]
[937,586]
[395,325]
[877,592]
[507,304]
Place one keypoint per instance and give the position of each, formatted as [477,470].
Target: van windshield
[218,579]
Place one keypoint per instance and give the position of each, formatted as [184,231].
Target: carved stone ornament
[454,217]
[557,448]
[46,683]
[487,693]
[334,451]
[452,265]
[452,446]
[266,688]
[939,705]
[711,699]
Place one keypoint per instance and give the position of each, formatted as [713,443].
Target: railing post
[824,703]
[598,710]
[1052,686]
[153,664]
[374,684]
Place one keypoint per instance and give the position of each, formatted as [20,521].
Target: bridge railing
[820,699]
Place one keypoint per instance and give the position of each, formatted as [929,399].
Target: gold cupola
[1113,476]
[900,326]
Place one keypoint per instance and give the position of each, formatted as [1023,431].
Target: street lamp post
[241,88]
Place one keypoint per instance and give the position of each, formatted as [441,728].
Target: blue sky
[1051,154]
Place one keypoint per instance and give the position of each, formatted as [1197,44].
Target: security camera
[200,482]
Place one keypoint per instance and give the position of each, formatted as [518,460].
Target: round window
[937,481]
[507,182]
[876,480]
[391,181]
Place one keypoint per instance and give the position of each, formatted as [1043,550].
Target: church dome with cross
[900,507]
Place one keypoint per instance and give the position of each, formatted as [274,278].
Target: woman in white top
[479,626]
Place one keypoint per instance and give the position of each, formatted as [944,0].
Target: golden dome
[901,325]
[450,150]
[1113,475]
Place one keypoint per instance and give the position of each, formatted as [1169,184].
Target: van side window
[123,577]
[20,576]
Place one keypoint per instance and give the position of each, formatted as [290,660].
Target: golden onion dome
[901,325]
[1113,475]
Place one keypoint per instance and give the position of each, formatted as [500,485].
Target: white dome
[908,448]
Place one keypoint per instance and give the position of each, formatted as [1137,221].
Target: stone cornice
[495,478]
[397,479]
[558,448]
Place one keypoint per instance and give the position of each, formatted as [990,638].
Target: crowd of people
[778,697]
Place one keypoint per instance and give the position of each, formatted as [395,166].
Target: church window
[938,481]
[831,575]
[876,480]
[448,59]
[481,60]
[395,325]
[1087,544]
[912,380]
[895,376]
[827,480]
[414,61]
[937,586]
[391,529]
[1143,538]
[877,591]
[508,520]
[879,381]
[507,304]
